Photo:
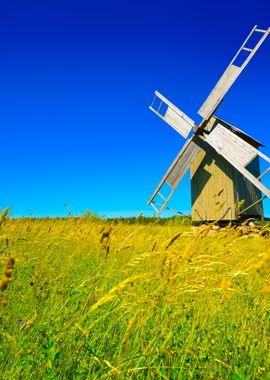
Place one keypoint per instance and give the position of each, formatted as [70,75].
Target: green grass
[94,299]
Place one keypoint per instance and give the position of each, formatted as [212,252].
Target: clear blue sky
[77,78]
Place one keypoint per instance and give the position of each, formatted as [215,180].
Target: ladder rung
[260,30]
[161,196]
[153,102]
[263,174]
[160,104]
[247,49]
[154,207]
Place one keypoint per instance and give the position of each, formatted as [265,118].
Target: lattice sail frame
[231,74]
[174,175]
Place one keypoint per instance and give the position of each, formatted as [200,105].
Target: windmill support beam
[250,177]
[266,158]
[253,204]
[263,174]
[260,30]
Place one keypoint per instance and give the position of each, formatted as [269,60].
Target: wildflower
[19,321]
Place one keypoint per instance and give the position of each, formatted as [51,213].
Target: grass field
[94,299]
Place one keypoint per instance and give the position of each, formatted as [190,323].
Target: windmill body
[224,162]
[218,190]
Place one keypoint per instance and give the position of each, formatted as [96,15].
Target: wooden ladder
[253,50]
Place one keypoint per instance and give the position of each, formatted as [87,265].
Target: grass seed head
[3,284]
[8,272]
[10,262]
[265,289]
[3,214]
[4,301]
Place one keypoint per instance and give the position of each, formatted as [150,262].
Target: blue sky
[77,78]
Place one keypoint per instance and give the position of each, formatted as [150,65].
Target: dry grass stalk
[7,278]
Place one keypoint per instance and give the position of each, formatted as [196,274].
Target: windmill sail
[175,173]
[238,153]
[231,74]
[172,115]
[225,141]
[233,145]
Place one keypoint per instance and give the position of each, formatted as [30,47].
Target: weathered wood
[263,174]
[177,110]
[260,30]
[243,135]
[226,142]
[161,183]
[252,205]
[230,75]
[216,185]
[212,191]
[182,165]
[219,91]
[217,188]
[176,172]
[224,161]
[255,49]
[173,116]
[235,161]
[244,190]
[266,158]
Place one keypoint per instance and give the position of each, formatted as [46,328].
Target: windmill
[223,160]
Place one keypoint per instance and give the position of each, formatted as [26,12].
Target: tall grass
[95,299]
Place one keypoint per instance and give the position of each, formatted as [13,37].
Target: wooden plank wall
[212,191]
[244,190]
[217,187]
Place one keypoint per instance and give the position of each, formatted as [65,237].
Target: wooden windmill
[223,160]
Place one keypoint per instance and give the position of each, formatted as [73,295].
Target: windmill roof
[240,133]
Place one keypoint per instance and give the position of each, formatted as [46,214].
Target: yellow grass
[92,299]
